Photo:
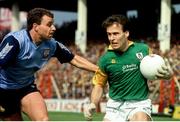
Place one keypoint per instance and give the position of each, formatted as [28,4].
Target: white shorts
[123,110]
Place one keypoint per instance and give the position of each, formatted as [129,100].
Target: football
[150,64]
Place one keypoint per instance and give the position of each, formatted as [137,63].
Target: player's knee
[41,118]
[45,119]
[140,116]
[106,120]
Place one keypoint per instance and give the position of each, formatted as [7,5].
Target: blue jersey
[20,58]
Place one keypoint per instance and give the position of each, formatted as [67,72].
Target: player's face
[117,37]
[46,29]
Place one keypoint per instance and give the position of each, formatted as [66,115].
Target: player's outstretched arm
[83,63]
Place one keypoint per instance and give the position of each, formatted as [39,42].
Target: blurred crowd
[74,83]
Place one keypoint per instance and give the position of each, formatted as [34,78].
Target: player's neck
[124,47]
[35,37]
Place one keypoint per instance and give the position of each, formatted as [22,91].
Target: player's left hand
[164,72]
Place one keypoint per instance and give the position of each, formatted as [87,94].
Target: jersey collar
[29,35]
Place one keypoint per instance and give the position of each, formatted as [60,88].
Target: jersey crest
[139,55]
[46,53]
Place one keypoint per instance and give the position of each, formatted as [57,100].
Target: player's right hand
[89,110]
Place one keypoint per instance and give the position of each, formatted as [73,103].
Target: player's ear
[126,33]
[35,26]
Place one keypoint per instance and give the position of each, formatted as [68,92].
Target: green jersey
[123,70]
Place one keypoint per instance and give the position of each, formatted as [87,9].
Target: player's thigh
[113,112]
[34,106]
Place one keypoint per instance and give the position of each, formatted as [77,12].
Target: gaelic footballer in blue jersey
[24,52]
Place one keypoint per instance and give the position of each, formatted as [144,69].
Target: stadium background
[67,89]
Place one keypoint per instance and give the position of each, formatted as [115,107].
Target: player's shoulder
[20,35]
[140,45]
[16,35]
[106,56]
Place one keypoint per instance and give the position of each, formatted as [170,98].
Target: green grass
[69,116]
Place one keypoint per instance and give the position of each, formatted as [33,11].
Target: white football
[150,64]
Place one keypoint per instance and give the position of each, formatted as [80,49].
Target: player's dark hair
[35,16]
[121,19]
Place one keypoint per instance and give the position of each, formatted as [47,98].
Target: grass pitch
[70,116]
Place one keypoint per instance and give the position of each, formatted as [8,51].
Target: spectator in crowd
[119,66]
[24,52]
